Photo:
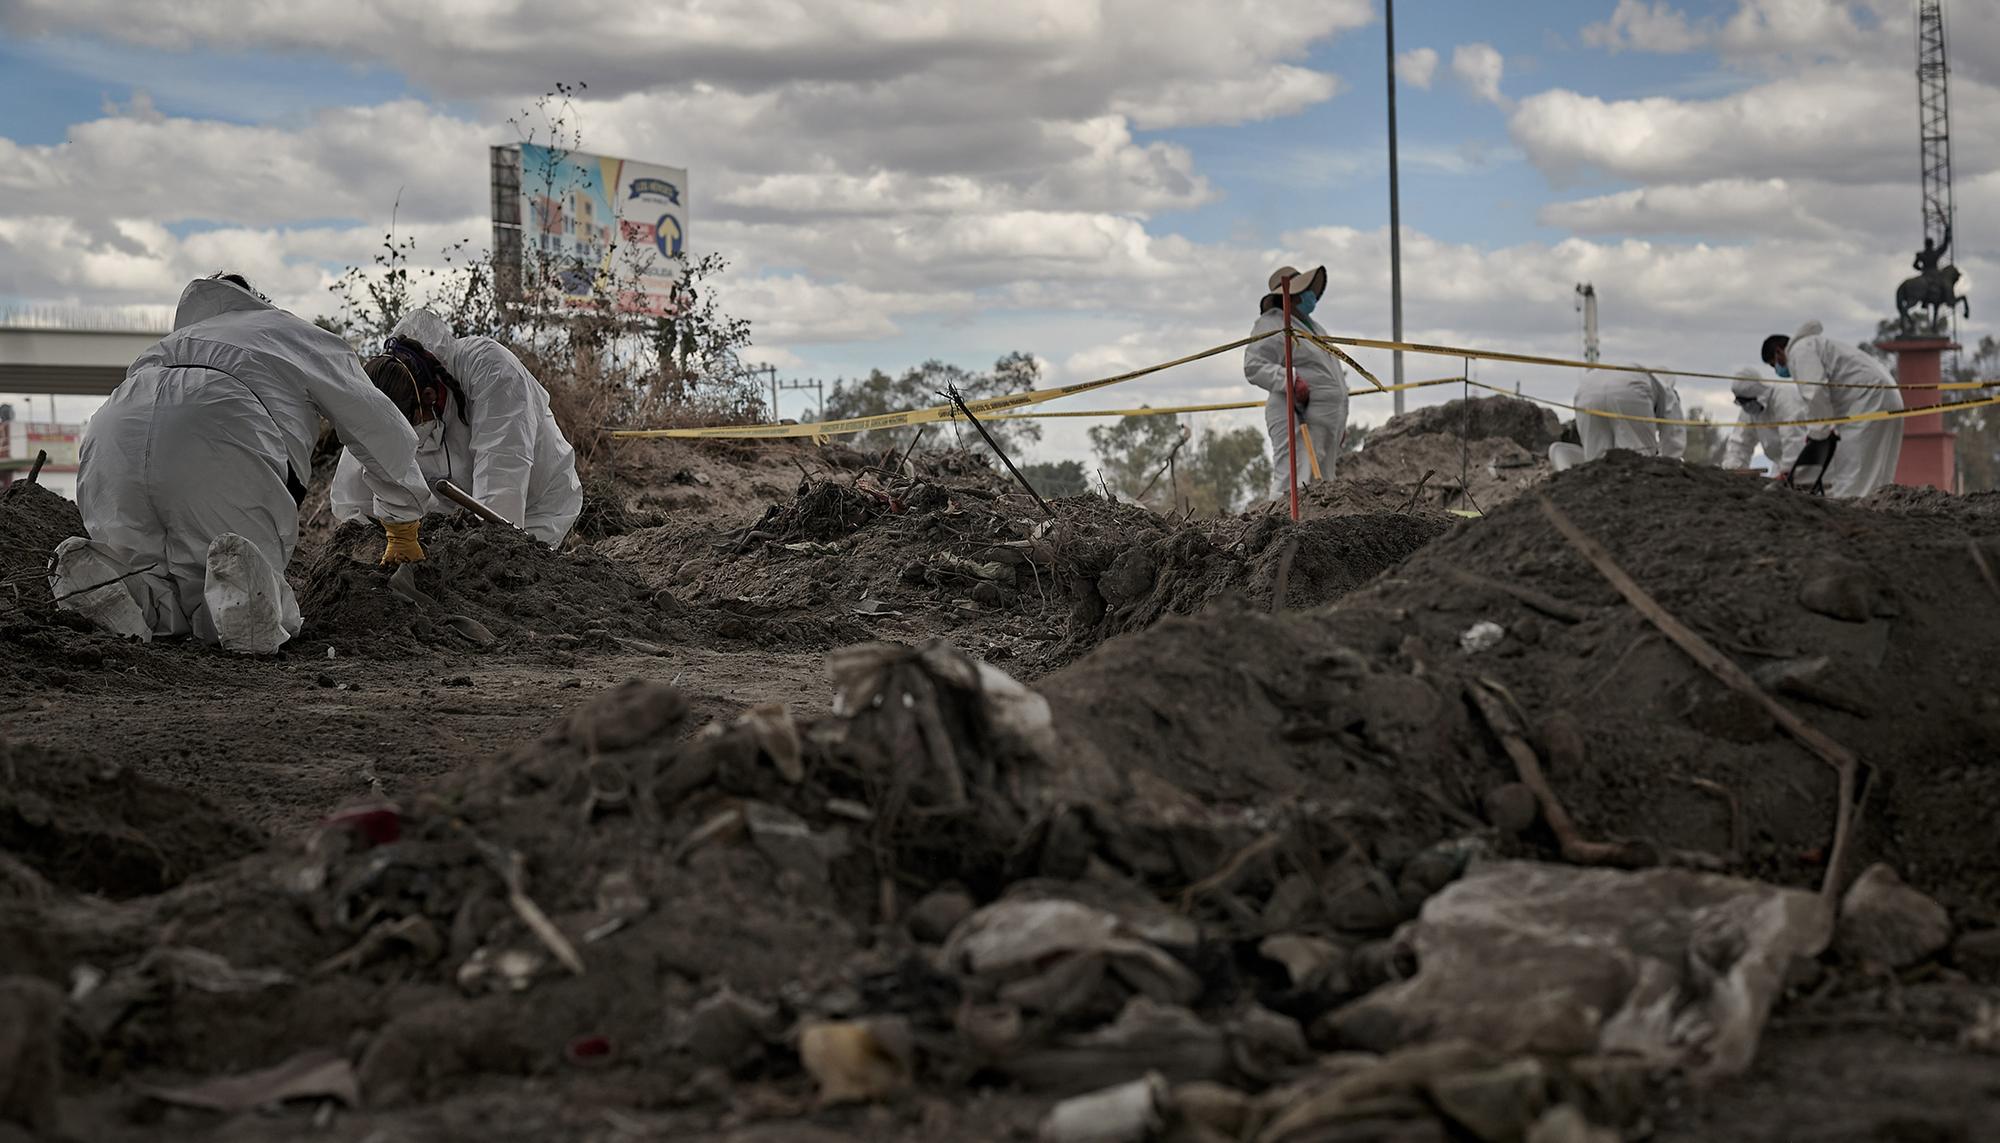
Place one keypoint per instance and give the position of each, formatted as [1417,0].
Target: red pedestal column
[1930,455]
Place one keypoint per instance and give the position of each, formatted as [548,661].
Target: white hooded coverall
[1865,459]
[1325,413]
[195,444]
[1780,442]
[507,450]
[1630,394]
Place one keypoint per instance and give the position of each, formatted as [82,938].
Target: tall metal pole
[1395,210]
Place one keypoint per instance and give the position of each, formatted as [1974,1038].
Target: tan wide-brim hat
[1314,280]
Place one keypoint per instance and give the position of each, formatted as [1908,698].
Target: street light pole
[1395,209]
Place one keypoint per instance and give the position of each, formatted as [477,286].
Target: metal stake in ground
[950,393]
[35,473]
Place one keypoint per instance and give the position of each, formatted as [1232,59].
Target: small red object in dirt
[1814,856]
[378,824]
[587,1051]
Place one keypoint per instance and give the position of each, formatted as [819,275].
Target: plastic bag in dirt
[1017,715]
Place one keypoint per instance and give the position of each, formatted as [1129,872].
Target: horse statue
[1937,289]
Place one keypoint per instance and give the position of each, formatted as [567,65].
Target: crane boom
[1934,119]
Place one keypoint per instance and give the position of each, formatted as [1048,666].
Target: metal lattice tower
[1934,118]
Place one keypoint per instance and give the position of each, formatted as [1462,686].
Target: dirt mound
[1903,500]
[949,556]
[92,828]
[33,521]
[1859,618]
[1532,426]
[1187,569]
[1347,495]
[1429,467]
[856,558]
[519,591]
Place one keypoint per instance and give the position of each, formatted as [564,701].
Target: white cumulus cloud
[1480,68]
[1417,67]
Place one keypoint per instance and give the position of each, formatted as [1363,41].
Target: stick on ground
[950,393]
[1735,678]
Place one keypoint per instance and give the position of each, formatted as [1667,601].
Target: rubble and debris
[993,859]
[1677,967]
[309,1075]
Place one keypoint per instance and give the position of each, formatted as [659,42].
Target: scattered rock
[1310,962]
[1511,808]
[1887,923]
[729,1030]
[632,713]
[937,913]
[1845,595]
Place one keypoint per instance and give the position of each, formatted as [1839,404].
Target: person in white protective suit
[1320,393]
[482,421]
[1836,381]
[1759,404]
[1627,394]
[188,479]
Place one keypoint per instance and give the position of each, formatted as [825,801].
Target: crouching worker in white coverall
[482,421]
[189,474]
[1319,396]
[1759,404]
[1628,395]
[1848,460]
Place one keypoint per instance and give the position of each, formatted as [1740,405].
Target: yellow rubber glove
[403,546]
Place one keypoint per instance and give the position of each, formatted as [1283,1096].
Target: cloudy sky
[1103,183]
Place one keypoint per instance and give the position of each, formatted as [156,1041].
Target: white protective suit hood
[505,448]
[1751,389]
[206,298]
[428,330]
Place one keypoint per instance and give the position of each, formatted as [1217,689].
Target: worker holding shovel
[483,424]
[1307,411]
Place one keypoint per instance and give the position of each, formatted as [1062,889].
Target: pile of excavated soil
[90,827]
[746,899]
[1875,626]
[1273,564]
[1470,455]
[33,521]
[939,557]
[522,592]
[1976,510]
[1431,466]
[1532,426]
[523,597]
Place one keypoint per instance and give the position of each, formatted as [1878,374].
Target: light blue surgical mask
[1303,304]
[1782,371]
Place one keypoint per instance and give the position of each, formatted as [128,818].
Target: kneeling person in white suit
[1628,394]
[188,479]
[482,421]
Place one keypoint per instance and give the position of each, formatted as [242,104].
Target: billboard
[587,223]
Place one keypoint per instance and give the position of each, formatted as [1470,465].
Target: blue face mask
[1303,304]
[1782,371]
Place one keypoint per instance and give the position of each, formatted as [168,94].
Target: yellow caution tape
[1852,419]
[930,415]
[1332,344]
[1151,411]
[998,407]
